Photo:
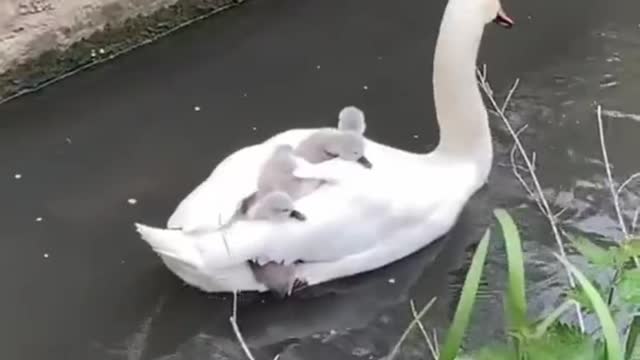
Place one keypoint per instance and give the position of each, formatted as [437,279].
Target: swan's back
[216,199]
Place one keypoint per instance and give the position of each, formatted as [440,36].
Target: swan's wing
[339,222]
[217,198]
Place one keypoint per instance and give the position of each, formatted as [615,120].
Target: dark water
[78,283]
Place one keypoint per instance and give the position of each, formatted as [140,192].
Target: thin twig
[436,342]
[615,194]
[515,167]
[626,183]
[533,160]
[432,349]
[545,205]
[605,157]
[234,324]
[509,95]
[409,328]
[562,211]
[635,220]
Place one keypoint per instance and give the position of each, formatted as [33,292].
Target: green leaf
[629,286]
[516,297]
[629,249]
[595,254]
[559,342]
[467,300]
[632,348]
[494,352]
[578,295]
[609,330]
[563,342]
[542,327]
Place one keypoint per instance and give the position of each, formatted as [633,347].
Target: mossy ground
[105,44]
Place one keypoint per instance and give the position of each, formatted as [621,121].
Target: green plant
[467,300]
[547,338]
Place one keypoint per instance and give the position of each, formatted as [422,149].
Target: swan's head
[494,13]
[348,146]
[275,206]
[351,119]
[491,11]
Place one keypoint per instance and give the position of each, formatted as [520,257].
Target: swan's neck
[462,116]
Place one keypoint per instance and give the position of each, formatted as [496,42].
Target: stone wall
[44,39]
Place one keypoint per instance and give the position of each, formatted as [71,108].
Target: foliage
[467,299]
[547,338]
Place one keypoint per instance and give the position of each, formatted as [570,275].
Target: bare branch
[511,92]
[413,323]
[544,204]
[605,157]
[433,349]
[626,183]
[236,329]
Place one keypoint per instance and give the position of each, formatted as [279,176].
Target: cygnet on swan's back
[277,175]
[275,206]
[346,141]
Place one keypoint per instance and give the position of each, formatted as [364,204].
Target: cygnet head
[491,11]
[281,160]
[347,146]
[275,206]
[351,119]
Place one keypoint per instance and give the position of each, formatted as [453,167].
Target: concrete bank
[43,40]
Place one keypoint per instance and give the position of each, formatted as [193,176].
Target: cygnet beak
[504,20]
[298,215]
[365,162]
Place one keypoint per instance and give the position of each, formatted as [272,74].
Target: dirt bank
[41,40]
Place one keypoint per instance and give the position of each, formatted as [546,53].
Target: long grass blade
[609,330]
[632,339]
[467,300]
[516,296]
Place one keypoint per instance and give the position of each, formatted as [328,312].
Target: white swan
[370,217]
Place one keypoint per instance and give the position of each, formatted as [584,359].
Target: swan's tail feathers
[176,220]
[171,244]
[351,118]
